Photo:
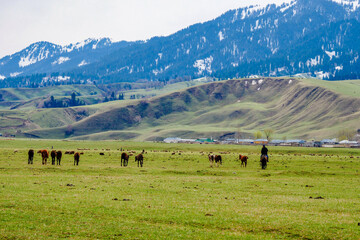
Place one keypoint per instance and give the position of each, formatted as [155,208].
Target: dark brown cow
[218,159]
[45,156]
[140,159]
[211,159]
[243,159]
[124,159]
[76,159]
[31,156]
[58,157]
[53,156]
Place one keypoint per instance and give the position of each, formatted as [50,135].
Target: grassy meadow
[305,193]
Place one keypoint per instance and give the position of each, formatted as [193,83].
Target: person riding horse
[264,158]
[264,151]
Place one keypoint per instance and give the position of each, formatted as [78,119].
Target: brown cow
[45,156]
[53,156]
[218,159]
[140,159]
[76,159]
[31,156]
[243,159]
[124,159]
[211,159]
[58,157]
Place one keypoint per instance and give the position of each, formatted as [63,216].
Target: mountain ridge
[275,40]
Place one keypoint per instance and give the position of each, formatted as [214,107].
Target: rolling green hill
[292,107]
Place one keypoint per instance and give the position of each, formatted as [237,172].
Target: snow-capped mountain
[45,57]
[314,37]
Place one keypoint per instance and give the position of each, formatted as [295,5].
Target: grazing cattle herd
[124,161]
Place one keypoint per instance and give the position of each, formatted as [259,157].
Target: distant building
[172,140]
[261,141]
[328,143]
[347,143]
[187,140]
[204,140]
[296,142]
[277,142]
[245,141]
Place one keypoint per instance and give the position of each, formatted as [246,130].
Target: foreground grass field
[304,194]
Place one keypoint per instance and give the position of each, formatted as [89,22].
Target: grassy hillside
[292,107]
[19,108]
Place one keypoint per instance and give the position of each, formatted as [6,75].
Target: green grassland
[305,193]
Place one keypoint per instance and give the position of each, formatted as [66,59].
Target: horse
[264,160]
[76,159]
[53,155]
[243,159]
[218,159]
[211,159]
[44,155]
[124,159]
[140,159]
[58,157]
[31,156]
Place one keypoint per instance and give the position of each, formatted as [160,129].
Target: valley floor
[303,194]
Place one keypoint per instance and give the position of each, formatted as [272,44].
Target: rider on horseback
[264,152]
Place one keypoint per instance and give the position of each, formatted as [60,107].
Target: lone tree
[268,134]
[257,135]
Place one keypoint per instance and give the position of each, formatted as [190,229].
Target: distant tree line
[73,101]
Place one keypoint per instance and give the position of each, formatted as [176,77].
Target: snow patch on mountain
[352,5]
[2,77]
[313,61]
[331,54]
[61,60]
[80,45]
[15,74]
[221,36]
[204,65]
[339,68]
[247,12]
[33,55]
[83,63]
[286,6]
[322,75]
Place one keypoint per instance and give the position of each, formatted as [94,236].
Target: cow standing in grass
[140,159]
[243,160]
[53,156]
[76,158]
[44,155]
[124,159]
[58,157]
[211,159]
[31,156]
[218,159]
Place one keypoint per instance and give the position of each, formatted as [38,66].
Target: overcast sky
[23,22]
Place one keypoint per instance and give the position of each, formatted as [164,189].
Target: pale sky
[23,22]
